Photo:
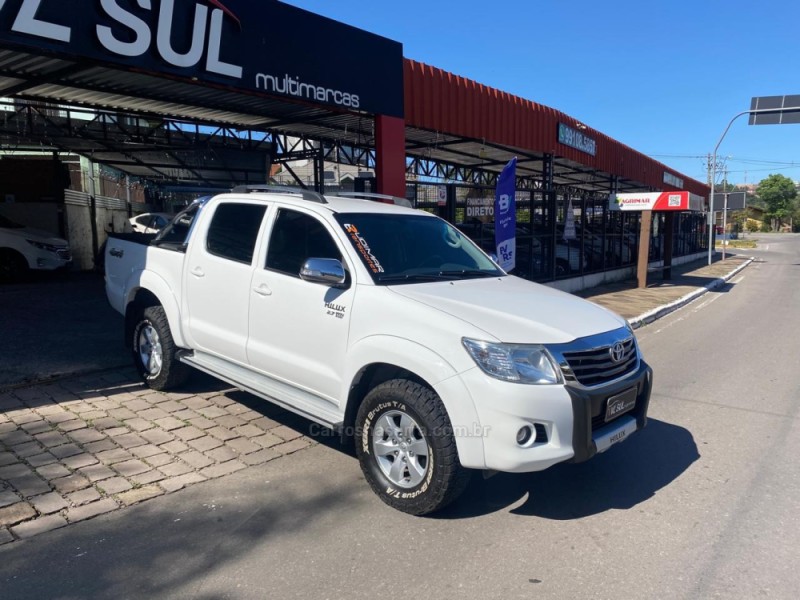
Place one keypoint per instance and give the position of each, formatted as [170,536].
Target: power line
[755,161]
[767,169]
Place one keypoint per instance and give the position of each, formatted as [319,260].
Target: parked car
[387,325]
[23,248]
[148,223]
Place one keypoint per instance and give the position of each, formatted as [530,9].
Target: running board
[286,396]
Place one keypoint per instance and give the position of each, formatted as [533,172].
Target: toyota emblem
[617,352]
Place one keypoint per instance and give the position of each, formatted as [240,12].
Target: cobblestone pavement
[81,447]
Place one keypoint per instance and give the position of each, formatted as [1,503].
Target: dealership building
[191,96]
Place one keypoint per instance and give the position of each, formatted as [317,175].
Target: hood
[37,235]
[514,310]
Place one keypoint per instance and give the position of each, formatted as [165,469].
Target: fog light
[524,435]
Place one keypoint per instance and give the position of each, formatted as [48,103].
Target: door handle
[198,272]
[116,252]
[263,290]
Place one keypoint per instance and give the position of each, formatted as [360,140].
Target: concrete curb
[663,311]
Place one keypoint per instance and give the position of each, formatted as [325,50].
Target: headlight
[520,363]
[42,246]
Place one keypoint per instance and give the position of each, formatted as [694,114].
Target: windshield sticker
[363,248]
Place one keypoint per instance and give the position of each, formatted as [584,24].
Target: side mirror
[327,271]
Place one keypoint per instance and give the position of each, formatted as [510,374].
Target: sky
[664,77]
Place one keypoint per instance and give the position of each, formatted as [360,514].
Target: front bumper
[45,260]
[590,434]
[568,420]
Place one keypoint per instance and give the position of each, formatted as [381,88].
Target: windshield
[413,248]
[9,224]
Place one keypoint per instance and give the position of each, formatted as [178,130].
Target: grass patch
[738,244]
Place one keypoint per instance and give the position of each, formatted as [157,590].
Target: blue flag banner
[505,216]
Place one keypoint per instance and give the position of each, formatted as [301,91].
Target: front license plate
[621,403]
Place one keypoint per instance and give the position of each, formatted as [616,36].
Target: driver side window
[295,238]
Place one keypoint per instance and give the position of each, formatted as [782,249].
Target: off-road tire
[172,373]
[444,480]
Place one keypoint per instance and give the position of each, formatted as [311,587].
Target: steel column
[390,155]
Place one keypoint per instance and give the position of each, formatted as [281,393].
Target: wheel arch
[16,253]
[386,358]
[152,291]
[367,378]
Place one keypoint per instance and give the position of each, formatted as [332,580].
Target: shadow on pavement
[57,325]
[168,548]
[621,478]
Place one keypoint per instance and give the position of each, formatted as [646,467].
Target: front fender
[437,373]
[158,286]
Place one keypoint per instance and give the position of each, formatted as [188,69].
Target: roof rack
[309,195]
[385,198]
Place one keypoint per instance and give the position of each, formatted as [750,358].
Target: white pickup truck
[385,324]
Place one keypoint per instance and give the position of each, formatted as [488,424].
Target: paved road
[703,504]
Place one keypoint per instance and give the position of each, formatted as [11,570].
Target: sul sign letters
[139,26]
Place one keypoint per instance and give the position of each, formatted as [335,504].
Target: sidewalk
[80,446]
[659,298]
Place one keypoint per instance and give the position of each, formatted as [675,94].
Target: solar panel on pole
[775,110]
[736,200]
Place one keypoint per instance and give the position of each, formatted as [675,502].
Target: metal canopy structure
[62,81]
[176,107]
[458,126]
[235,79]
[162,117]
[197,81]
[462,159]
[165,150]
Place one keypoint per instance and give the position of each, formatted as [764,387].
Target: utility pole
[712,222]
[743,232]
[725,213]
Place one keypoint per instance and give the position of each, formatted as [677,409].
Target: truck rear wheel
[155,353]
[407,449]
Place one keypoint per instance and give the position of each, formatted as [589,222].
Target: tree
[725,186]
[778,193]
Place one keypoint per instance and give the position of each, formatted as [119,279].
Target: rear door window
[233,232]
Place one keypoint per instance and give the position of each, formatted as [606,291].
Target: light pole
[711,223]
[757,111]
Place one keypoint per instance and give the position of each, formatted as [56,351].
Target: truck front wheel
[407,450]
[155,353]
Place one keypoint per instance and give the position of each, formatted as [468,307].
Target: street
[702,504]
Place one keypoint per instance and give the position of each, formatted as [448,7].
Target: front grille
[64,254]
[595,366]
[599,421]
